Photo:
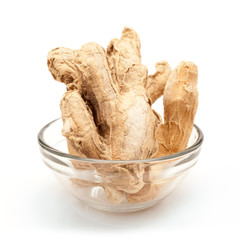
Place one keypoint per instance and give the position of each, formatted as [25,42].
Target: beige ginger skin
[107,114]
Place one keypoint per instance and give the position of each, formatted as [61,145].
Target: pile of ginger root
[107,114]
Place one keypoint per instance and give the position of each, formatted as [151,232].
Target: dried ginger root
[79,128]
[156,82]
[107,113]
[180,105]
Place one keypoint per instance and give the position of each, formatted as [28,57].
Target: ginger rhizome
[107,114]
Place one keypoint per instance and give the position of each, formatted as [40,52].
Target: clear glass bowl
[116,186]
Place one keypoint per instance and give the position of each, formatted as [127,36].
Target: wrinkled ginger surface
[107,114]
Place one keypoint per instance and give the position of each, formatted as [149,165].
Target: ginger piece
[156,82]
[151,186]
[113,195]
[154,184]
[62,65]
[124,53]
[149,192]
[79,128]
[180,105]
[126,178]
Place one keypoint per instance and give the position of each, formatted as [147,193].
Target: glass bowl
[116,186]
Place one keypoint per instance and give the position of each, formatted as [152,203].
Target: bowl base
[121,208]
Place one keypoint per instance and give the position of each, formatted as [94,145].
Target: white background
[32,204]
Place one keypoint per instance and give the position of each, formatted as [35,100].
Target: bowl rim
[186,151]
